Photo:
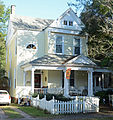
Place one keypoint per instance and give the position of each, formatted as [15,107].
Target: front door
[37,80]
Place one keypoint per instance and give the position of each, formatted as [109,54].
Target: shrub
[59,97]
[104,95]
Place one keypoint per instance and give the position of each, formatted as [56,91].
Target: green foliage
[104,95]
[35,112]
[11,113]
[59,97]
[4,16]
[98,19]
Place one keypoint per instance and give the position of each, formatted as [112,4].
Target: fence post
[83,106]
[37,100]
[18,98]
[45,101]
[53,111]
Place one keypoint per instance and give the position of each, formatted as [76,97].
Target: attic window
[70,23]
[65,22]
[31,46]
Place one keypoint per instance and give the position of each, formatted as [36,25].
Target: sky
[48,9]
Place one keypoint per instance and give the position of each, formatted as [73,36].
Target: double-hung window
[76,46]
[59,44]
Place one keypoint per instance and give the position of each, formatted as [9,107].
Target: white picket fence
[79,104]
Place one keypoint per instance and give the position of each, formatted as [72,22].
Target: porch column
[90,83]
[32,80]
[24,78]
[66,85]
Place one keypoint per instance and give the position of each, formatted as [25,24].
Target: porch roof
[61,60]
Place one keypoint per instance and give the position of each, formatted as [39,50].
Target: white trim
[66,85]
[74,44]
[90,83]
[84,58]
[62,44]
[102,70]
[28,68]
[57,68]
[32,80]
[80,45]
[64,31]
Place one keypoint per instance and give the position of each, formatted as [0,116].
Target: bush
[59,97]
[40,95]
[104,96]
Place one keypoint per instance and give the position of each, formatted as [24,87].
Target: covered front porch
[55,82]
[48,75]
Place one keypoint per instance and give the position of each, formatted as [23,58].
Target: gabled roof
[54,60]
[77,18]
[29,23]
[81,59]
[51,59]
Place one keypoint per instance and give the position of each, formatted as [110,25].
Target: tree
[4,16]
[97,15]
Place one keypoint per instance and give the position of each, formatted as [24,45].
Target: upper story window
[31,46]
[65,22]
[70,23]
[76,46]
[59,44]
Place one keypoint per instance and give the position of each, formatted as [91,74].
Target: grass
[106,118]
[11,113]
[35,112]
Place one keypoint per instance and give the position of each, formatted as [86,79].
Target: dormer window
[31,46]
[70,23]
[65,22]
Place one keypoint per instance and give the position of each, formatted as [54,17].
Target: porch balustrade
[49,90]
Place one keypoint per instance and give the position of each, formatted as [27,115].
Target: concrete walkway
[2,115]
[26,116]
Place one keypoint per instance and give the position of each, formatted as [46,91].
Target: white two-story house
[39,51]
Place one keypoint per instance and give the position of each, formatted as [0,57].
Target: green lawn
[106,118]
[34,111]
[11,113]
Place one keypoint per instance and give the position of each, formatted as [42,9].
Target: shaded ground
[105,112]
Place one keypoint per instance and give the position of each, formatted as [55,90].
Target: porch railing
[49,90]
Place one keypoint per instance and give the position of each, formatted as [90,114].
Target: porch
[48,75]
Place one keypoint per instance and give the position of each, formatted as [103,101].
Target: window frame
[62,44]
[74,45]
[70,23]
[65,22]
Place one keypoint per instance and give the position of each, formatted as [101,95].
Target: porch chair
[73,91]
